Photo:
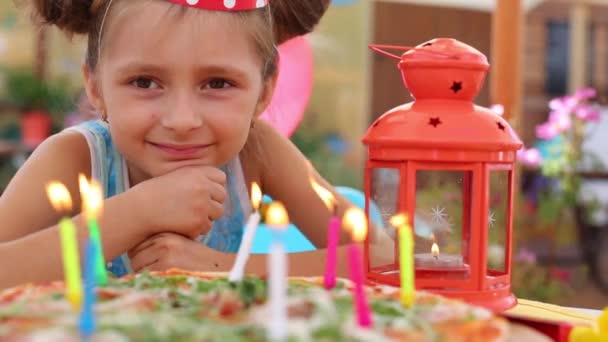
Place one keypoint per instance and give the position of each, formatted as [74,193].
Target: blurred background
[549,79]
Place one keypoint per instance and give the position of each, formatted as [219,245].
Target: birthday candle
[62,202]
[277,220]
[406,258]
[333,235]
[356,222]
[87,315]
[92,205]
[238,269]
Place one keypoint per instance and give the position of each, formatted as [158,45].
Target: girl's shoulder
[260,150]
[68,147]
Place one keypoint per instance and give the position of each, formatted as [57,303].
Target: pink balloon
[294,86]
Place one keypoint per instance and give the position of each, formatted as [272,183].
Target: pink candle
[356,222]
[364,317]
[333,235]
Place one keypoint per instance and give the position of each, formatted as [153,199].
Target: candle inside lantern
[406,262]
[277,220]
[92,205]
[436,260]
[333,235]
[238,269]
[62,202]
[355,220]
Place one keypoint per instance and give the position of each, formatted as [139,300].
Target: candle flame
[92,197]
[399,220]
[326,196]
[435,249]
[59,196]
[355,222]
[256,195]
[276,216]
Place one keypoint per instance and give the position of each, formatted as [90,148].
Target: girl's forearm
[305,264]
[37,257]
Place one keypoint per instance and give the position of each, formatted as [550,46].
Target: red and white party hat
[223,5]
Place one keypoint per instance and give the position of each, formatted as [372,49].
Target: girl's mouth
[181,151]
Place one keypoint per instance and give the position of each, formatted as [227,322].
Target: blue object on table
[295,241]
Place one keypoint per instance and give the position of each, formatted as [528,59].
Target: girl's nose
[182,116]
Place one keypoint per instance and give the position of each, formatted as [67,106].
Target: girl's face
[180,88]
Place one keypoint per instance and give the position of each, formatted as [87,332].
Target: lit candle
[436,260]
[355,220]
[92,205]
[238,269]
[87,315]
[333,235]
[62,202]
[406,258]
[277,220]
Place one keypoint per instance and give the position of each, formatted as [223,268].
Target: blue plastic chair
[295,241]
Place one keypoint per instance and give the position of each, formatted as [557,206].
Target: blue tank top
[109,168]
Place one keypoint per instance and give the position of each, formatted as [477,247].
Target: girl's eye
[218,83]
[144,83]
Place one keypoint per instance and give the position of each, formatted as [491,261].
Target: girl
[179,85]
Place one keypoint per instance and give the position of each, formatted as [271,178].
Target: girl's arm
[30,247]
[285,175]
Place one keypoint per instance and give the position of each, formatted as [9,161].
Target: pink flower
[525,256]
[498,109]
[563,104]
[560,274]
[547,131]
[585,93]
[529,157]
[561,120]
[588,113]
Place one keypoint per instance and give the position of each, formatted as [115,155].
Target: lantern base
[497,300]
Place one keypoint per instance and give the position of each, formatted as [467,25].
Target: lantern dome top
[443,75]
[444,50]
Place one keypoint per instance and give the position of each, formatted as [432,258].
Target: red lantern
[449,165]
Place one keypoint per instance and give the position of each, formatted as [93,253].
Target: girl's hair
[280,21]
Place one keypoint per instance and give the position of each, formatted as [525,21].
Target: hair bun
[71,16]
[296,17]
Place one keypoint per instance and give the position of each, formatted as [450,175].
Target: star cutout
[491,219]
[501,126]
[456,87]
[435,122]
[439,214]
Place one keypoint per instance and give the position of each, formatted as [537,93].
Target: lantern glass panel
[498,221]
[443,217]
[385,196]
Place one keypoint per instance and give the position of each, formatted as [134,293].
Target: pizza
[179,305]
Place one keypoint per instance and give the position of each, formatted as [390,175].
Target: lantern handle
[379,48]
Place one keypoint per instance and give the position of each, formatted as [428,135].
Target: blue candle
[87,316]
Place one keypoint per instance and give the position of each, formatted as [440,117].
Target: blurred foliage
[27,92]
[331,165]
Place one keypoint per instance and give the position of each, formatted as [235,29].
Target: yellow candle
[62,202]
[406,259]
[71,262]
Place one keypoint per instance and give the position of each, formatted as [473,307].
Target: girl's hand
[185,201]
[166,250]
